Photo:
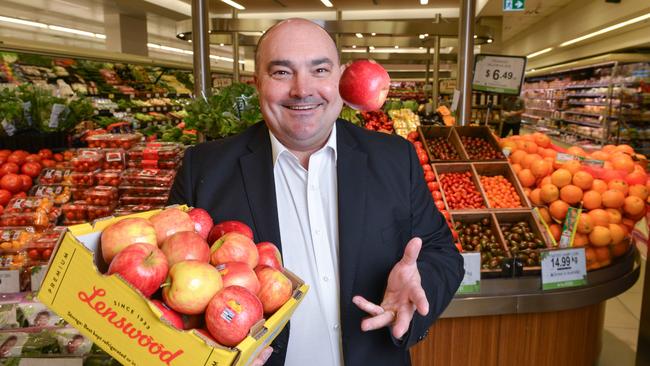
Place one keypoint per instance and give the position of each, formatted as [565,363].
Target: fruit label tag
[472,281]
[547,232]
[113,156]
[9,281]
[37,276]
[563,268]
[569,228]
[57,109]
[18,204]
[593,162]
[27,112]
[561,158]
[9,127]
[149,173]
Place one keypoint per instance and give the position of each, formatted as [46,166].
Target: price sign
[498,74]
[9,281]
[563,268]
[472,281]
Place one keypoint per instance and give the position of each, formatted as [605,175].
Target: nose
[301,87]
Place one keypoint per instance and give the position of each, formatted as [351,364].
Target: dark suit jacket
[383,202]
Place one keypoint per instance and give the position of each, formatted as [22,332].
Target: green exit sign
[514,5]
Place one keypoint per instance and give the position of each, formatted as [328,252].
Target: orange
[556,231]
[574,150]
[535,199]
[558,210]
[548,153]
[600,236]
[638,176]
[527,191]
[609,148]
[629,223]
[580,240]
[508,144]
[600,155]
[572,165]
[639,190]
[546,180]
[619,185]
[599,186]
[590,255]
[613,198]
[526,178]
[585,226]
[617,233]
[561,177]
[546,216]
[529,159]
[599,217]
[602,255]
[549,193]
[625,148]
[517,156]
[633,206]
[542,140]
[591,200]
[530,147]
[583,180]
[516,168]
[615,216]
[540,168]
[623,163]
[571,194]
[619,249]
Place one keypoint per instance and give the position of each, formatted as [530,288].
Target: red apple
[364,85]
[205,333]
[169,314]
[185,245]
[225,227]
[190,285]
[275,288]
[231,314]
[144,266]
[239,274]
[234,247]
[170,221]
[269,255]
[202,221]
[124,233]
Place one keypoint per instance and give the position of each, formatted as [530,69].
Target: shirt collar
[278,148]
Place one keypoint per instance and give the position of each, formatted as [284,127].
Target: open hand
[404,294]
[261,359]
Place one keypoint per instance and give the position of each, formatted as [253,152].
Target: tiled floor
[622,324]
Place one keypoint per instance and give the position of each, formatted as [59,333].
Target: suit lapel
[259,184]
[352,171]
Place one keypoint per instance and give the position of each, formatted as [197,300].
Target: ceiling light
[535,54]
[71,30]
[22,22]
[421,36]
[153,45]
[373,34]
[359,35]
[189,40]
[234,4]
[475,36]
[221,44]
[420,48]
[180,35]
[327,3]
[372,47]
[608,29]
[396,46]
[489,40]
[424,2]
[354,46]
[103,36]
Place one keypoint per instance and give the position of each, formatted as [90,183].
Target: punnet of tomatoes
[460,191]
[19,169]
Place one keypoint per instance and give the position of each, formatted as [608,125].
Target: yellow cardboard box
[126,325]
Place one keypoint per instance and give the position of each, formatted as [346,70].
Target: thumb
[412,251]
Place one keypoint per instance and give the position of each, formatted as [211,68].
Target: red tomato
[8,167]
[435,186]
[445,213]
[5,152]
[45,153]
[423,157]
[418,145]
[11,182]
[413,135]
[3,159]
[426,167]
[16,158]
[437,196]
[31,169]
[48,163]
[27,182]
[46,254]
[20,195]
[440,205]
[32,158]
[429,176]
[5,196]
[33,254]
[2,209]
[58,157]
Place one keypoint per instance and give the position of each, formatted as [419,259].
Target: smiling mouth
[302,107]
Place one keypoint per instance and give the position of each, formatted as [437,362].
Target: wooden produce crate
[512,217]
[504,169]
[441,168]
[449,134]
[482,132]
[472,218]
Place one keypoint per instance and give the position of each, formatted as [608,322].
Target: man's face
[297,78]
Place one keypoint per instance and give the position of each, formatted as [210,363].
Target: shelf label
[514,5]
[9,281]
[57,109]
[472,281]
[563,268]
[498,74]
[9,127]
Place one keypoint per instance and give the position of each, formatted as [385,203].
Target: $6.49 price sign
[563,268]
[498,74]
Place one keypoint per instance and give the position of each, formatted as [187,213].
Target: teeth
[301,108]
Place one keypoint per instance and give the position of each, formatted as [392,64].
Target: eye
[280,74]
[322,70]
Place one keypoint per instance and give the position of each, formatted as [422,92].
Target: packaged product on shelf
[114,159]
[11,343]
[87,161]
[404,121]
[101,195]
[157,201]
[15,238]
[122,140]
[72,342]
[37,219]
[154,151]
[75,212]
[148,177]
[84,179]
[39,248]
[109,178]
[171,164]
[59,194]
[50,176]
[8,314]
[35,314]
[140,191]
[97,212]
[123,210]
[30,204]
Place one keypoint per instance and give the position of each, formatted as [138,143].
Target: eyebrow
[287,63]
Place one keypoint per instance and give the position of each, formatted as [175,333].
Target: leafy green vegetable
[351,115]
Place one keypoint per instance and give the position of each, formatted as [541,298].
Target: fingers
[412,251]
[379,321]
[402,322]
[261,359]
[367,306]
[419,298]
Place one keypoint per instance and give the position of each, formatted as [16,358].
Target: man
[513,109]
[340,202]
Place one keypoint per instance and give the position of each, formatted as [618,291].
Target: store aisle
[622,325]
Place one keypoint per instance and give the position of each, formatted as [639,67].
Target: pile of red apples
[201,276]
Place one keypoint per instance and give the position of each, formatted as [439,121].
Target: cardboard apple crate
[449,134]
[514,217]
[440,168]
[504,169]
[471,218]
[126,325]
[483,132]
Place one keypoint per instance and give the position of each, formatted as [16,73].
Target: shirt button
[313,187]
[317,231]
[336,327]
[325,278]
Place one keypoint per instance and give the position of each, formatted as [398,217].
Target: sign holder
[498,74]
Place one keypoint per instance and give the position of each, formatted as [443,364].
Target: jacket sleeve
[439,263]
[181,192]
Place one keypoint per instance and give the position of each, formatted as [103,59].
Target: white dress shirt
[308,218]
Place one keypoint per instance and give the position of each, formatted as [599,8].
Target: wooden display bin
[482,132]
[511,217]
[450,135]
[475,217]
[504,169]
[441,168]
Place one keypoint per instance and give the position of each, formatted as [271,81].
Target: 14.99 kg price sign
[498,74]
[563,268]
